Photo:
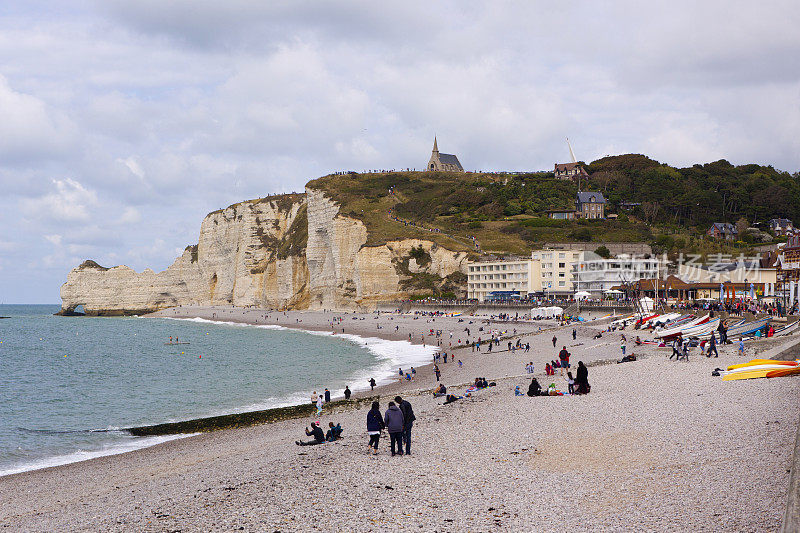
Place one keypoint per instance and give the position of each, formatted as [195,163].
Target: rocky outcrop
[283,252]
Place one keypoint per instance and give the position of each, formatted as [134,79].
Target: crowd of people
[398,421]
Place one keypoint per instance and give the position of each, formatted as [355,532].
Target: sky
[123,123]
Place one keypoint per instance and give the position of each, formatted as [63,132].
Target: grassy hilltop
[507,213]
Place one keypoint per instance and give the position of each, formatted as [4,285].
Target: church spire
[435,148]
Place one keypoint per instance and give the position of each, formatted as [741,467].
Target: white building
[597,275]
[502,276]
[547,272]
[552,271]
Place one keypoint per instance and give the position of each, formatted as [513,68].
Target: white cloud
[133,165]
[130,216]
[29,128]
[70,202]
[161,111]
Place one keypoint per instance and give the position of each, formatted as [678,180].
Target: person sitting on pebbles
[334,432]
[534,389]
[441,390]
[316,432]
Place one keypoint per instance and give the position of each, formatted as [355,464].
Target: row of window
[492,286]
[517,275]
[499,268]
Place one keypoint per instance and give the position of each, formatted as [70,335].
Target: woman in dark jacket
[582,379]
[534,389]
[374,426]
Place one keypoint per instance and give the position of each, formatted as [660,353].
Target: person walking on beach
[372,383]
[712,346]
[555,340]
[741,346]
[408,421]
[327,396]
[437,372]
[319,405]
[374,427]
[622,345]
[347,392]
[394,424]
[314,398]
[563,357]
[574,334]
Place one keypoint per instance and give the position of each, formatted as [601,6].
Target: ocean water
[70,385]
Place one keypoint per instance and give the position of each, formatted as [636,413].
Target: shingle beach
[657,445]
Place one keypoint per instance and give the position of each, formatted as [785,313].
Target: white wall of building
[597,275]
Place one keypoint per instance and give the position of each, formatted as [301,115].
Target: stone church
[443,162]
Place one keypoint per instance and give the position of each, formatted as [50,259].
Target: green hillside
[507,213]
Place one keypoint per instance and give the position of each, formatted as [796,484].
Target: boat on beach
[672,332]
[746,328]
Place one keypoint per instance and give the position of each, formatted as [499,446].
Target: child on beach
[319,405]
[570,383]
[741,346]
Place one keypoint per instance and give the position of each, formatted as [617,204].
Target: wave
[85,455]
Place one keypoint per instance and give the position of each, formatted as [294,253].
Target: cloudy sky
[122,123]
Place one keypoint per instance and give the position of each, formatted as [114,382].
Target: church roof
[450,159]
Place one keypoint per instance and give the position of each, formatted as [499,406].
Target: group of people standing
[398,420]
[319,400]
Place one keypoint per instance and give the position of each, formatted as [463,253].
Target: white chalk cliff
[282,252]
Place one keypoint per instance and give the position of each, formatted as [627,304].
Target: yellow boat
[784,372]
[755,362]
[757,371]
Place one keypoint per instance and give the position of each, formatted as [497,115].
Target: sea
[70,386]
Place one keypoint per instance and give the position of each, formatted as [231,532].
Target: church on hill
[443,162]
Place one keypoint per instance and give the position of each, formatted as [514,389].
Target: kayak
[759,368]
[784,372]
[755,362]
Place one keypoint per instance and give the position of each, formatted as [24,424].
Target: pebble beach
[657,445]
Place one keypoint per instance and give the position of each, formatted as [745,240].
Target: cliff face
[284,252]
